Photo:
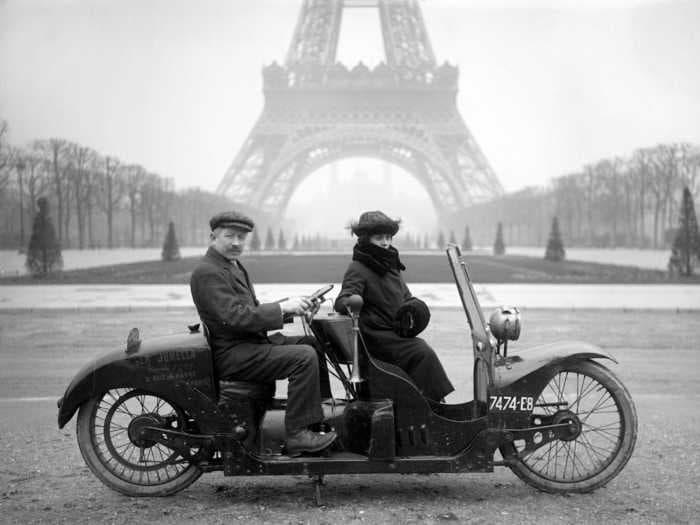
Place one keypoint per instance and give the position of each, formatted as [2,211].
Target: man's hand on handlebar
[308,305]
[296,305]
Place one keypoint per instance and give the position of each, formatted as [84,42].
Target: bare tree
[644,170]
[693,181]
[628,182]
[111,192]
[92,192]
[165,203]
[54,150]
[36,179]
[667,184]
[688,167]
[607,176]
[151,195]
[81,160]
[134,177]
[568,204]
[5,156]
[590,197]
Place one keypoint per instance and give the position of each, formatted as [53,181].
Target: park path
[567,296]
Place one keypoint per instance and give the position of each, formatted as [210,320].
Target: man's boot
[304,440]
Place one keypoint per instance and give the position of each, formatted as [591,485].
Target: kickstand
[318,481]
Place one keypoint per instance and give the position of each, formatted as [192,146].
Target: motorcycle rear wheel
[108,443]
[608,430]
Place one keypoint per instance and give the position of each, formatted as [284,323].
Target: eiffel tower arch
[403,111]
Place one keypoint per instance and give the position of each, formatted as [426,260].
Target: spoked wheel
[602,430]
[108,437]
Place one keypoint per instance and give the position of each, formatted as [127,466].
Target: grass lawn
[429,268]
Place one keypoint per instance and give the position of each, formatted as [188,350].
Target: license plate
[511,403]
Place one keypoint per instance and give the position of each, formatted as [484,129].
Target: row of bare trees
[614,202]
[628,201]
[97,200]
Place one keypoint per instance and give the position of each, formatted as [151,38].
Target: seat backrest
[207,334]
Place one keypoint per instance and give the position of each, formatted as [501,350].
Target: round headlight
[504,323]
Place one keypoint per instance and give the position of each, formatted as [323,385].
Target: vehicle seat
[243,403]
[229,390]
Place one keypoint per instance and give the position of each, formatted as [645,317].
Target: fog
[333,196]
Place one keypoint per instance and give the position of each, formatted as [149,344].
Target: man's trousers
[294,358]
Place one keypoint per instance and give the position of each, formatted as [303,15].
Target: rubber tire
[629,428]
[85,444]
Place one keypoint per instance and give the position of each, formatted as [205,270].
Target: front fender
[157,365]
[515,367]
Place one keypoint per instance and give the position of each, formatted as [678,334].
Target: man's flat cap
[231,219]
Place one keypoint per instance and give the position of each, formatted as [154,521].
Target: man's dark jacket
[237,322]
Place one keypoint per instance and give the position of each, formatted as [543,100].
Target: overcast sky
[175,85]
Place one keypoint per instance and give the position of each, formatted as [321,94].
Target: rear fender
[519,379]
[513,368]
[158,365]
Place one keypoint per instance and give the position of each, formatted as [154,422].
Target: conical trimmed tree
[555,247]
[44,251]
[453,239]
[685,251]
[171,249]
[255,241]
[467,240]
[441,240]
[269,240]
[281,241]
[499,247]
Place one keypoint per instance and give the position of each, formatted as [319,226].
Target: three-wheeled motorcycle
[153,417]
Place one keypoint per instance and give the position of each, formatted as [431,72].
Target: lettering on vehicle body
[172,375]
[176,356]
[511,403]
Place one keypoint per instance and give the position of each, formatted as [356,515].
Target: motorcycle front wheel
[601,410]
[107,432]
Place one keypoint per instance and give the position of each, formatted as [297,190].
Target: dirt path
[44,480]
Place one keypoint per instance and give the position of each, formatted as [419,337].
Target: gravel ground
[44,480]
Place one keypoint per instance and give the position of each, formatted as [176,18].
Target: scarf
[379,260]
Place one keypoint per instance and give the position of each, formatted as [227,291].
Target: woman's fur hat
[373,222]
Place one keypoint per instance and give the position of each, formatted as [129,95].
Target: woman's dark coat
[383,295]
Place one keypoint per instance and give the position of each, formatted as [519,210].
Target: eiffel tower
[317,111]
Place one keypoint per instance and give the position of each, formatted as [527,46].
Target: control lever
[353,305]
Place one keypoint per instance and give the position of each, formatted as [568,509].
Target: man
[238,325]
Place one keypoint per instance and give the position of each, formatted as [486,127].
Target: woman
[375,275]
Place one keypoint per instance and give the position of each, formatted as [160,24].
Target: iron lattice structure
[403,111]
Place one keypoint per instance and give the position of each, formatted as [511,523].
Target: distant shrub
[441,240]
[467,240]
[255,241]
[685,251]
[171,249]
[269,240]
[499,247]
[44,251]
[555,247]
